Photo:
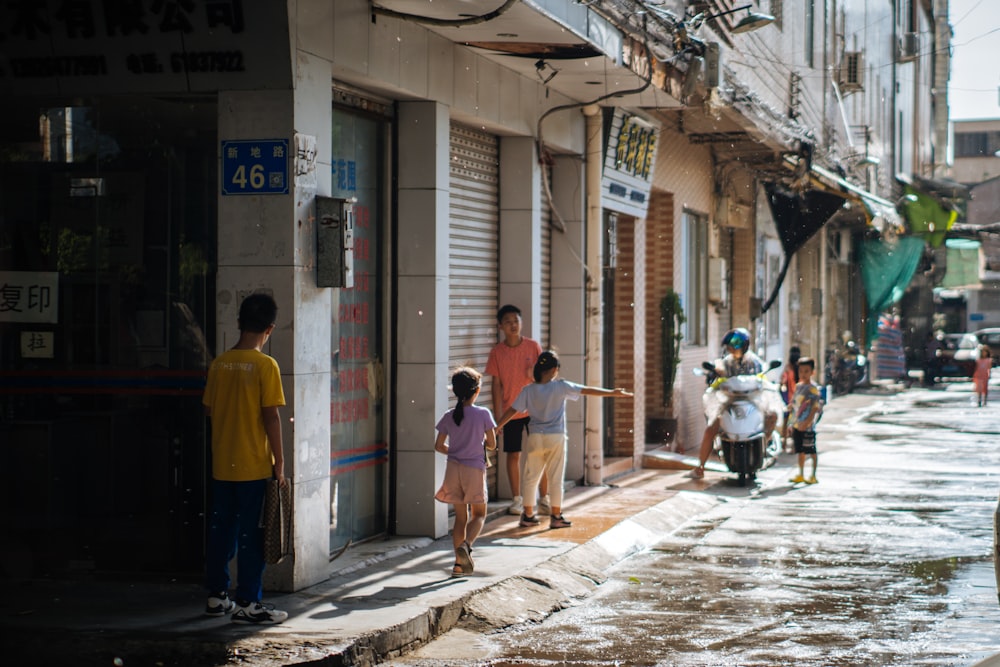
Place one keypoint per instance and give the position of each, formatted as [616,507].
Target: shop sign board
[38,344]
[29,296]
[629,159]
[93,47]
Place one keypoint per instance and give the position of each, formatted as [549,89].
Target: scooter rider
[739,360]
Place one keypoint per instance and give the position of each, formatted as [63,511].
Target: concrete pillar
[267,242]
[520,230]
[593,410]
[821,329]
[422,315]
[567,316]
[520,244]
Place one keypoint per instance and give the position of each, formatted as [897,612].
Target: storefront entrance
[359,451]
[107,246]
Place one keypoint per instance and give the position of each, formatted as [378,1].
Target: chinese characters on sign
[84,22]
[27,296]
[85,18]
[305,161]
[37,344]
[353,371]
[628,164]
[257,167]
[345,174]
[636,146]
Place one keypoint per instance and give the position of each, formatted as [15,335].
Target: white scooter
[741,440]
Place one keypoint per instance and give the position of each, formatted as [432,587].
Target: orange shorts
[462,484]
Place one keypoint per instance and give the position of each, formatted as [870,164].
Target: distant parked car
[990,338]
[957,356]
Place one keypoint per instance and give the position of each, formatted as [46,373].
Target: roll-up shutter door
[545,330]
[473,249]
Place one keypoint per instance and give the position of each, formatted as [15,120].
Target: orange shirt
[788,380]
[514,366]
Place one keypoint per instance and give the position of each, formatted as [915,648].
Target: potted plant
[661,429]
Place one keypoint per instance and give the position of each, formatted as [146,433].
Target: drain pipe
[593,414]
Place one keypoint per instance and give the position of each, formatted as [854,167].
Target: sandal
[457,571]
[464,559]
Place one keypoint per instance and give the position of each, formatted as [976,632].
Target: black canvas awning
[797,216]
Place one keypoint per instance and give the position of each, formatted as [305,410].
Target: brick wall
[685,174]
[659,258]
[743,283]
[629,353]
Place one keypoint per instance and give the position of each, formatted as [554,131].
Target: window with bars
[694,230]
[976,144]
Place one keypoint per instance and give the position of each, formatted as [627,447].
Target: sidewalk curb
[576,573]
[369,611]
[528,597]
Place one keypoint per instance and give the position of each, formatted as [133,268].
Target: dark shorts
[512,432]
[805,441]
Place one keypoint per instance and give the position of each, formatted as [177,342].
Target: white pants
[544,454]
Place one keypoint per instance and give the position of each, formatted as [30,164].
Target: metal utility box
[334,242]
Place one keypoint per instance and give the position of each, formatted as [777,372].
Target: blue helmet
[738,339]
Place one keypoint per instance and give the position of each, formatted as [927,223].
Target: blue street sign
[255,167]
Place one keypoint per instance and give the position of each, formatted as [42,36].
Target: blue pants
[234,529]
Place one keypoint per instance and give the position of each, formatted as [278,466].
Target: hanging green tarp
[926,216]
[886,269]
[963,263]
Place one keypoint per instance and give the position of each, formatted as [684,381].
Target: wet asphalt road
[887,561]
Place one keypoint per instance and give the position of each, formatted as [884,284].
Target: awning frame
[875,207]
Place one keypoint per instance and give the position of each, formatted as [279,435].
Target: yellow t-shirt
[240,383]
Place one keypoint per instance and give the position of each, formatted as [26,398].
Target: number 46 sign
[255,167]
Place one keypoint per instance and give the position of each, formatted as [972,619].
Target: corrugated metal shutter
[473,248]
[473,257]
[545,329]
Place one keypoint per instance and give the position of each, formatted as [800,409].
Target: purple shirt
[466,440]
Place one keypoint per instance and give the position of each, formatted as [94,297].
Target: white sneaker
[544,505]
[258,613]
[516,507]
[219,604]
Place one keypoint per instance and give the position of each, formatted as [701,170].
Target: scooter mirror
[774,364]
[707,365]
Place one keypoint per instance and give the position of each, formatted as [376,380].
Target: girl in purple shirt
[462,434]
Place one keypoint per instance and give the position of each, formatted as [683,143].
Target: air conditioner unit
[730,213]
[909,46]
[851,75]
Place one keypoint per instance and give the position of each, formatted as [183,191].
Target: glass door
[358,447]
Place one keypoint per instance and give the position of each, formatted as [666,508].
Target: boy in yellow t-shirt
[242,397]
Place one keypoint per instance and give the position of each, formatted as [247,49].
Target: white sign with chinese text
[29,296]
[630,156]
[37,344]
